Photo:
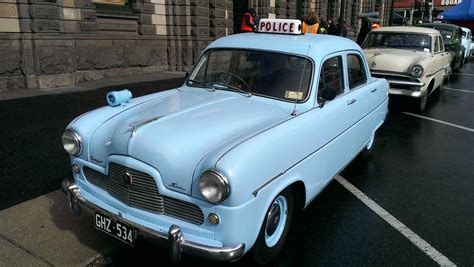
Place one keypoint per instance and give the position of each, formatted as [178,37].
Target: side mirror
[186,75]
[328,94]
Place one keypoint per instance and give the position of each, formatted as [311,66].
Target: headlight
[72,142]
[214,186]
[416,71]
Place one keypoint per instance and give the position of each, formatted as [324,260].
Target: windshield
[268,74]
[447,35]
[411,41]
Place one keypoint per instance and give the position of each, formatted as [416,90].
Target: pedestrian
[249,21]
[332,28]
[364,30]
[375,25]
[342,29]
[323,26]
[310,24]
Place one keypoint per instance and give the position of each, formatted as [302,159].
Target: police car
[218,167]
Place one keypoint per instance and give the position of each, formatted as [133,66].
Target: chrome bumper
[174,239]
[405,92]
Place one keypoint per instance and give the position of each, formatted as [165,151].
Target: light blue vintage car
[217,167]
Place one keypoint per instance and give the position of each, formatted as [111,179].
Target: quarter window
[331,77]
[436,48]
[356,71]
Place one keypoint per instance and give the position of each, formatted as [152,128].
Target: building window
[113,6]
[111,2]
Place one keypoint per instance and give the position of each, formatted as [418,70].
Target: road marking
[395,223]
[460,90]
[460,73]
[439,121]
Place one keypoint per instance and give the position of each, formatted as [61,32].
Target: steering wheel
[230,77]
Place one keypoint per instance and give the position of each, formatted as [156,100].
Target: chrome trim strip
[432,74]
[391,74]
[405,82]
[139,123]
[173,238]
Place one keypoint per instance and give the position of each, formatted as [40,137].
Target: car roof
[291,44]
[465,29]
[406,29]
[439,25]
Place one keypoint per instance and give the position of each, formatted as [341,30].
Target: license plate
[117,229]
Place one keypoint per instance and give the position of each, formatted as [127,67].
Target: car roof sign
[285,26]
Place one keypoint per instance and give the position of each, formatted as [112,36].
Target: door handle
[350,102]
[373,90]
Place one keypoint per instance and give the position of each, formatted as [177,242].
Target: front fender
[243,223]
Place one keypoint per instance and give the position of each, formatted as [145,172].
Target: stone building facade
[54,43]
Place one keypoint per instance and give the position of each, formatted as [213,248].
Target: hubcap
[276,219]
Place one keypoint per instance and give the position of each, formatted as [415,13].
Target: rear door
[365,97]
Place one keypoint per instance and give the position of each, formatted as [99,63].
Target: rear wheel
[271,237]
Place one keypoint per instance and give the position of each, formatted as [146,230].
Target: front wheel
[276,224]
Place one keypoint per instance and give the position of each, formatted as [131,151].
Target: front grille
[142,193]
[400,78]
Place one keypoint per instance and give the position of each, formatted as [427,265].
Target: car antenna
[301,81]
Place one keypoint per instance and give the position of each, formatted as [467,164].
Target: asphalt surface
[420,171]
[33,161]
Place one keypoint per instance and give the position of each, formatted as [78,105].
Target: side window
[436,47]
[331,77]
[355,71]
[441,44]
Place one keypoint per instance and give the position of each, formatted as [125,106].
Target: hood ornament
[373,65]
[139,123]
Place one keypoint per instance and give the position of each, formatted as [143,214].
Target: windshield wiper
[203,84]
[234,88]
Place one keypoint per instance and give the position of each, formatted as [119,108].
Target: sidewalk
[44,232]
[86,86]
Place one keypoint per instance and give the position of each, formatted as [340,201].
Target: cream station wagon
[412,59]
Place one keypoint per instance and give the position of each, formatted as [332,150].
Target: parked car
[466,42]
[452,41]
[217,167]
[412,59]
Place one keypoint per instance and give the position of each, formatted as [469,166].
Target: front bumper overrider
[174,239]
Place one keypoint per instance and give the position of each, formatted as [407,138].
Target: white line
[460,90]
[460,73]
[399,226]
[440,121]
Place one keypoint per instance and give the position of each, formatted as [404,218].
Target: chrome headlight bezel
[214,186]
[416,71]
[70,137]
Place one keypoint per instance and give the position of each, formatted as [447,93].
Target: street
[420,173]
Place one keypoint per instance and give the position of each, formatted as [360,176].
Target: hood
[180,129]
[390,59]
